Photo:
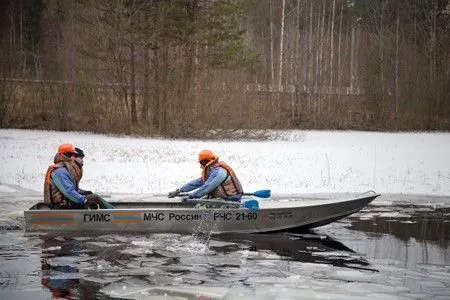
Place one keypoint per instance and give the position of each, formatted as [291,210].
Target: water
[398,248]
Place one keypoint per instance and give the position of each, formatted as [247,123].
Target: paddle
[250,204]
[259,194]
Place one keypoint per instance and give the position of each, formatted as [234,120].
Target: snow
[6,189]
[292,162]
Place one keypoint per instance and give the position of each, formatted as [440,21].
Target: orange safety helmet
[206,155]
[66,148]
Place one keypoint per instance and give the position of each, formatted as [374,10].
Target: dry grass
[209,115]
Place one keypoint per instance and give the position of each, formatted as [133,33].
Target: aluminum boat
[197,216]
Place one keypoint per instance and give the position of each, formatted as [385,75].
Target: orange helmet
[206,155]
[66,148]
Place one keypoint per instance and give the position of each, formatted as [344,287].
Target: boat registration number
[161,216]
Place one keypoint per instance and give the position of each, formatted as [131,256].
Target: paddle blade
[260,194]
[251,204]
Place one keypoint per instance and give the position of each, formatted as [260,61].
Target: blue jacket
[216,176]
[63,181]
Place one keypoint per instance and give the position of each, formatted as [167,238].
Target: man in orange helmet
[218,180]
[62,179]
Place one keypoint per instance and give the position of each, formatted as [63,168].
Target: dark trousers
[93,201]
[94,198]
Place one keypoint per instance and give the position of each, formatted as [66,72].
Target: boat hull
[177,218]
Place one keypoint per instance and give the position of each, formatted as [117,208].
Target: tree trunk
[296,63]
[339,75]
[145,87]
[280,63]
[331,57]
[316,79]
[352,59]
[310,59]
[397,38]
[134,119]
[272,54]
[157,83]
[189,69]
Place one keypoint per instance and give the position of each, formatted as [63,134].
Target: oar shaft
[259,194]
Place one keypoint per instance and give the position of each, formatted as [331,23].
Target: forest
[190,68]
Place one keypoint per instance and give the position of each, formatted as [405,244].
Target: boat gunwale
[179,206]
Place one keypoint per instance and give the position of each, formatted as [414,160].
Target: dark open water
[397,248]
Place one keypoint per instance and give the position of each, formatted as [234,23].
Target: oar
[250,204]
[259,194]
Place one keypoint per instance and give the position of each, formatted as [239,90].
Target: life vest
[229,187]
[51,192]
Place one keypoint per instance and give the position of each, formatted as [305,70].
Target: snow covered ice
[406,168]
[293,162]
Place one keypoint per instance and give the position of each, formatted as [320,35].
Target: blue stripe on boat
[52,219]
[126,218]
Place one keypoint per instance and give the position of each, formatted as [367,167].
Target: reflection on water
[78,266]
[410,236]
[310,247]
[59,287]
[407,222]
[398,251]
[60,261]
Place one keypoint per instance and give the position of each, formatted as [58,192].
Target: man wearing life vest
[218,180]
[61,189]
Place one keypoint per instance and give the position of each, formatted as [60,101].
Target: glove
[90,204]
[87,193]
[174,193]
[185,199]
